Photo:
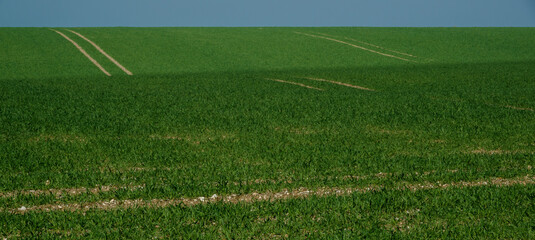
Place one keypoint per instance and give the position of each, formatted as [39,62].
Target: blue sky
[148,13]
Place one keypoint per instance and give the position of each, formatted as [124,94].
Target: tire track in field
[58,233]
[485,103]
[294,83]
[103,52]
[519,108]
[299,193]
[131,187]
[84,52]
[71,191]
[340,83]
[369,44]
[355,46]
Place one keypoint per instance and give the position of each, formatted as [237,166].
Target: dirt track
[103,52]
[355,46]
[84,52]
[340,83]
[268,196]
[294,83]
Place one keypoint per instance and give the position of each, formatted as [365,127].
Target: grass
[460,213]
[199,118]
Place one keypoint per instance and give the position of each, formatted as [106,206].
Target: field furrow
[340,83]
[268,196]
[84,52]
[369,44]
[355,46]
[294,83]
[103,52]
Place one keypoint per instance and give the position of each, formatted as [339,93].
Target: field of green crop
[268,133]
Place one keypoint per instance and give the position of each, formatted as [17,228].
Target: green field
[224,133]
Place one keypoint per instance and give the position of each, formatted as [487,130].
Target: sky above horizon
[243,13]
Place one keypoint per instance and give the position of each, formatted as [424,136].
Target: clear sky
[153,13]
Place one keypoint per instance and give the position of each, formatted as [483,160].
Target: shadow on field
[496,79]
[422,117]
[423,70]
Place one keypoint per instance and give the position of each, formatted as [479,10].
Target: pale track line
[373,45]
[70,191]
[486,103]
[268,196]
[340,83]
[103,52]
[519,108]
[355,46]
[112,188]
[84,52]
[294,83]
